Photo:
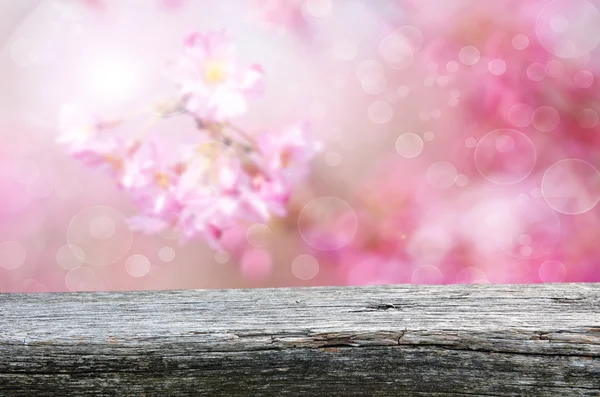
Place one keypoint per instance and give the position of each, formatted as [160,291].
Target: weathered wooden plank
[462,340]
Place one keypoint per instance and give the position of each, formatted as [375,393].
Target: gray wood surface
[462,340]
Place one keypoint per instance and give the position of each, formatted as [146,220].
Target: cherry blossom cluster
[224,179]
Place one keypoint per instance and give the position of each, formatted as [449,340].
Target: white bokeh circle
[259,235]
[441,174]
[70,257]
[409,145]
[505,156]
[571,186]
[397,50]
[380,112]
[12,255]
[568,28]
[328,223]
[137,265]
[81,279]
[305,267]
[102,233]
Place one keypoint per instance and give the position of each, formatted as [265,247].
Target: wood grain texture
[462,340]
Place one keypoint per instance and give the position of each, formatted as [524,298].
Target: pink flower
[289,151]
[209,217]
[89,140]
[150,180]
[210,168]
[219,183]
[213,85]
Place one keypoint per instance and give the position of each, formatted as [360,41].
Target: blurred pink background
[460,142]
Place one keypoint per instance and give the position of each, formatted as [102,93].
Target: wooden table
[459,340]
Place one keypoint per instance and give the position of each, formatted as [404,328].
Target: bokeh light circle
[12,255]
[442,81]
[259,235]
[427,274]
[546,118]
[305,267]
[569,28]
[505,156]
[452,66]
[469,55]
[520,42]
[462,180]
[221,256]
[520,115]
[520,226]
[375,88]
[81,279]
[166,254]
[396,50]
[103,242]
[571,186]
[413,35]
[471,275]
[441,174]
[497,67]
[534,229]
[328,223]
[536,72]
[409,145]
[554,68]
[583,79]
[552,271]
[471,142]
[380,112]
[70,257]
[588,118]
[370,72]
[102,227]
[137,265]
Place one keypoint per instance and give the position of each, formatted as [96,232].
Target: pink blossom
[213,85]
[150,180]
[225,179]
[89,140]
[289,151]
